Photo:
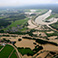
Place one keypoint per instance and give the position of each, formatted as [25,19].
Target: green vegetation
[56,15]
[4,22]
[24,51]
[1,46]
[1,31]
[13,55]
[6,51]
[6,35]
[20,23]
[16,21]
[8,17]
[28,51]
[55,25]
[52,34]
[28,38]
[19,39]
[45,42]
[30,33]
[6,40]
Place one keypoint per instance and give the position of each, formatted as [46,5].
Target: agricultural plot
[6,52]
[13,54]
[1,47]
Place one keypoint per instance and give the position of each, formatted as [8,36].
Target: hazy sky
[25,2]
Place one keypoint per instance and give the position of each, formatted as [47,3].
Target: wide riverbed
[40,19]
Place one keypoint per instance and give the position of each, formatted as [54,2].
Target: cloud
[9,3]
[32,2]
[25,2]
[56,2]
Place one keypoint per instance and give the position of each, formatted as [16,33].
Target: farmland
[27,34]
[13,55]
[1,47]
[6,52]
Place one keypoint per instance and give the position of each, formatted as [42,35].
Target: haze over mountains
[53,7]
[7,3]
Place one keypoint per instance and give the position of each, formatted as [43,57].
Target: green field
[1,47]
[13,55]
[6,51]
[18,22]
[25,51]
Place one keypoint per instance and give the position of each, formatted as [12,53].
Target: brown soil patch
[52,37]
[50,32]
[25,43]
[25,56]
[50,47]
[42,55]
[38,33]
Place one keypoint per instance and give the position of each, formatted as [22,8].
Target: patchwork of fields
[8,52]
[27,33]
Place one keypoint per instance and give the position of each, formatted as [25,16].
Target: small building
[3,44]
